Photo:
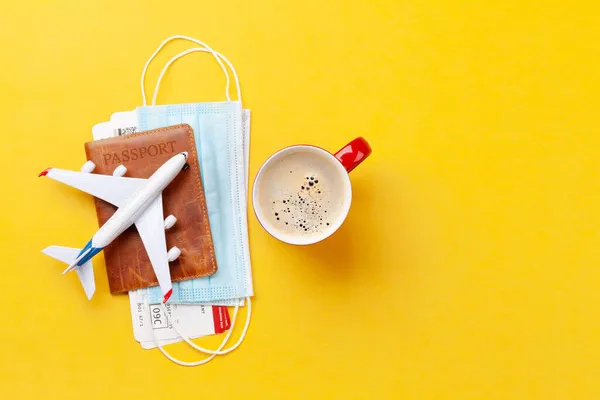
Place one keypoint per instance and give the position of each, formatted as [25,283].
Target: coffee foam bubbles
[301,193]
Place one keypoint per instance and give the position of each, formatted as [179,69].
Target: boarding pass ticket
[150,322]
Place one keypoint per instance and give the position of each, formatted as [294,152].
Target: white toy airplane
[139,202]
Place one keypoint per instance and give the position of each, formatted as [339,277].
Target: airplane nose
[185,154]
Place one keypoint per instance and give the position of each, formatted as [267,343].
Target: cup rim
[302,240]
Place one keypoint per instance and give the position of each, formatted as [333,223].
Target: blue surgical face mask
[219,143]
[222,136]
[221,131]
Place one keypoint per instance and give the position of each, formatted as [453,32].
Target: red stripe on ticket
[227,321]
[221,318]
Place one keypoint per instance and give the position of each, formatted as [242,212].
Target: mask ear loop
[193,363]
[213,353]
[214,53]
[217,55]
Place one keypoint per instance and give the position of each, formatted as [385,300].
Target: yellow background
[468,267]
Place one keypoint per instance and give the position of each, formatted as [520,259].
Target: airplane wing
[150,226]
[113,189]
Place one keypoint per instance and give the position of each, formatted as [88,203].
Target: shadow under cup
[302,195]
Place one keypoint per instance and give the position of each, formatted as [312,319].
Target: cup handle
[353,153]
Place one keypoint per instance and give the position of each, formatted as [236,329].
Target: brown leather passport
[127,264]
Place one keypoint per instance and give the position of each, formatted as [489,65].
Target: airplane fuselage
[126,215]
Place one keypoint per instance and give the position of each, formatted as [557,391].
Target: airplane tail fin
[68,255]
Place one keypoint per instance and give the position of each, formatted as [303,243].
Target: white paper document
[192,319]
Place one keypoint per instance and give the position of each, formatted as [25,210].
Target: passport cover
[127,264]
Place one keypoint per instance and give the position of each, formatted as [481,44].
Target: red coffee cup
[302,194]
